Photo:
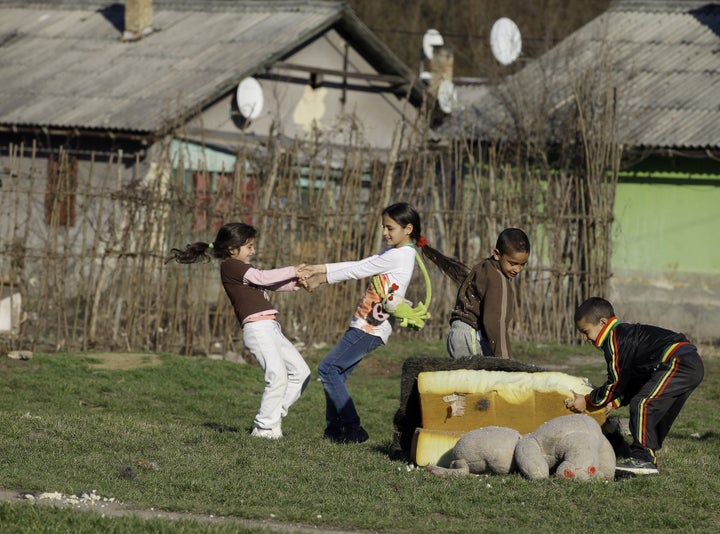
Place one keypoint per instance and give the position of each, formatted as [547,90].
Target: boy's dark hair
[230,235]
[512,240]
[404,214]
[594,309]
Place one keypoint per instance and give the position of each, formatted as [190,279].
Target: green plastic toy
[401,308]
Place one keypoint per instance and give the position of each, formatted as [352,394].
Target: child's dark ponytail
[454,269]
[193,253]
[230,235]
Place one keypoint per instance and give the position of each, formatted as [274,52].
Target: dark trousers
[656,406]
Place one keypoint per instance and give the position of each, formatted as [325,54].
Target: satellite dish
[431,39]
[250,98]
[425,76]
[447,96]
[505,41]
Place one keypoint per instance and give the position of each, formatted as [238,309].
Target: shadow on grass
[218,427]
[384,448]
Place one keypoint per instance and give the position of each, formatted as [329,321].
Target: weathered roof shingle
[64,65]
[665,68]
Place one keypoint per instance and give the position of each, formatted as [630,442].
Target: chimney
[441,68]
[441,86]
[138,19]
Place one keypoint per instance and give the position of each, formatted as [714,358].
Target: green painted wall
[667,223]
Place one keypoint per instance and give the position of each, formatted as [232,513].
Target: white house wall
[297,108]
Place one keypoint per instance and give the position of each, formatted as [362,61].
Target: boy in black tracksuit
[652,369]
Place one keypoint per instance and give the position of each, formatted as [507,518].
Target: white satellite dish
[447,96]
[250,98]
[431,39]
[505,41]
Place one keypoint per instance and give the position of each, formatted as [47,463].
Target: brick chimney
[441,68]
[138,19]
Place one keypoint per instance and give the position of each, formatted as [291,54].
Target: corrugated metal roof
[64,65]
[665,66]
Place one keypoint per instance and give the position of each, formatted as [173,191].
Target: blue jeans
[334,370]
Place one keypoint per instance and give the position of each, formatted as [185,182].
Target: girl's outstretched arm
[306,271]
[283,279]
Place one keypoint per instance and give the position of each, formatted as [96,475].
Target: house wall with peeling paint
[341,112]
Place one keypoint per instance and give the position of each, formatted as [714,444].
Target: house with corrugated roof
[660,60]
[205,77]
[98,96]
[72,69]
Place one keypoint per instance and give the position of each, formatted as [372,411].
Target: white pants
[286,373]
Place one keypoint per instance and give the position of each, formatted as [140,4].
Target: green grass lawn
[173,435]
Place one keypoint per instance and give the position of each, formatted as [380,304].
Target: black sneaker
[636,466]
[333,434]
[354,434]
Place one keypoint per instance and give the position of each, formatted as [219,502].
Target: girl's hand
[314,281]
[306,271]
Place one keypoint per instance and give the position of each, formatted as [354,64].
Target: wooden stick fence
[87,251]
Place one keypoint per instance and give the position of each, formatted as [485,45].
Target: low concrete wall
[684,302]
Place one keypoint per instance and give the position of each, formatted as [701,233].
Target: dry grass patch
[119,361]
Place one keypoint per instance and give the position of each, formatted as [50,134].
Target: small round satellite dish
[250,98]
[431,39]
[447,96]
[505,41]
[425,76]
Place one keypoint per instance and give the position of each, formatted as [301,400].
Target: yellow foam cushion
[464,399]
[434,447]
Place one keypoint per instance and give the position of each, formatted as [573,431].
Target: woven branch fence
[84,239]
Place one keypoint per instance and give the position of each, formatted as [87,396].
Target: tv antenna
[249,97]
[505,41]
[447,96]
[431,39]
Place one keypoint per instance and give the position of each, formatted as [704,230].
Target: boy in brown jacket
[480,321]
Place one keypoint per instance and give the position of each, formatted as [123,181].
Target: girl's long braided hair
[509,240]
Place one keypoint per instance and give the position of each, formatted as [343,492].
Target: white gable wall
[297,108]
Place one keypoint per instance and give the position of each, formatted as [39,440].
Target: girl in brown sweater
[286,373]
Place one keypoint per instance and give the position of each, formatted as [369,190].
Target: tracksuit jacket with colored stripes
[653,370]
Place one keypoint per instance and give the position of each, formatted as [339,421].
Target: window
[221,197]
[60,196]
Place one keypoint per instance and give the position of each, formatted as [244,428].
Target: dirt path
[111,508]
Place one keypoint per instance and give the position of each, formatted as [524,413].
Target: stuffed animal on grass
[570,446]
[488,450]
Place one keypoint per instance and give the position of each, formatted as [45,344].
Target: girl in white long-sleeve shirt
[369,328]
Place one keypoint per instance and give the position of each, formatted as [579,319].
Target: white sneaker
[267,433]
